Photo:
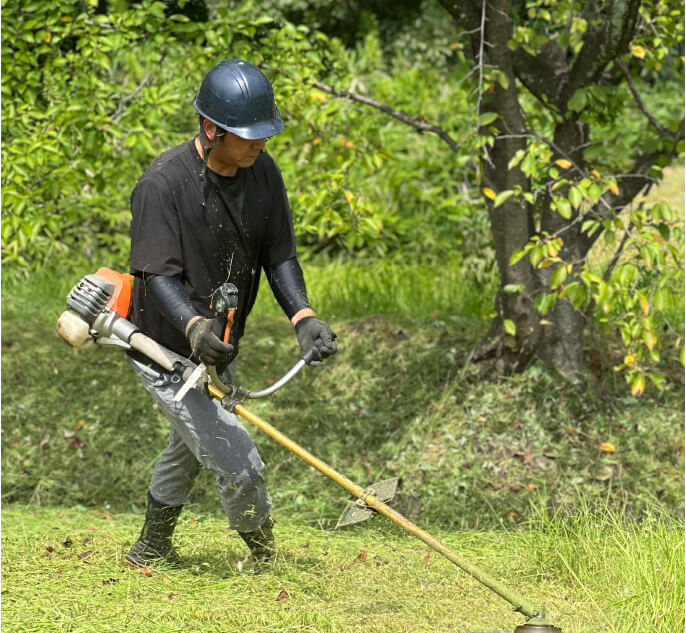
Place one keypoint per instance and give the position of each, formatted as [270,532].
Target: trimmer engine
[89,297]
[97,310]
[92,311]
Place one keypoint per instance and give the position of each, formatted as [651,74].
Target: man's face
[231,151]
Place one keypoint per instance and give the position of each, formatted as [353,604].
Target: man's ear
[210,130]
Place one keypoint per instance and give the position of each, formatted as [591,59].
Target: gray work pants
[203,433]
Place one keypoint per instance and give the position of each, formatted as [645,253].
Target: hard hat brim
[252,132]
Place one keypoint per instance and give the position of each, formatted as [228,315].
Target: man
[210,211]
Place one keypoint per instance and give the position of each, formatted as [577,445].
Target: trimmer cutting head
[527,628]
[357,511]
[533,627]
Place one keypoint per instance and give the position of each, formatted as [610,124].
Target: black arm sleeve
[288,286]
[171,299]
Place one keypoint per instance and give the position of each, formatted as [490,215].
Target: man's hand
[315,335]
[206,346]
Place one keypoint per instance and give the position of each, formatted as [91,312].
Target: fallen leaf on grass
[427,558]
[50,549]
[101,514]
[607,447]
[283,596]
[362,557]
[84,554]
[170,596]
[110,581]
[146,571]
[67,543]
[77,443]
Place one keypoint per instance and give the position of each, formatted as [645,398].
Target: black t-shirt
[245,225]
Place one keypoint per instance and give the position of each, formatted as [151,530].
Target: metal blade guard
[357,510]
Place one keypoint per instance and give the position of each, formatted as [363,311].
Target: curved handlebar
[230,389]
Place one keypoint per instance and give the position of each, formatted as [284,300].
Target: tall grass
[354,290]
[630,573]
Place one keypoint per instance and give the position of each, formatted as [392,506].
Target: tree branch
[639,102]
[544,74]
[420,125]
[480,61]
[123,103]
[620,249]
[603,43]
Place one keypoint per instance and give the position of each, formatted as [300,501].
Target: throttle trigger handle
[229,323]
[224,303]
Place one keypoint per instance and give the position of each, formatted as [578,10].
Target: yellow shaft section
[519,603]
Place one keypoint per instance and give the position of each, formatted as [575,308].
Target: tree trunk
[511,222]
[550,77]
[562,342]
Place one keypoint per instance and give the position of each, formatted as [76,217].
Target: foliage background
[90,99]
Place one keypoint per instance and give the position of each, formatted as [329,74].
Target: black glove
[315,335]
[206,346]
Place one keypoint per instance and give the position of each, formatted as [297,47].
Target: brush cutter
[96,313]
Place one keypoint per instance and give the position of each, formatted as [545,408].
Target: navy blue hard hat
[237,97]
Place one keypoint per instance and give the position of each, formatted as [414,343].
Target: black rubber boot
[262,545]
[154,544]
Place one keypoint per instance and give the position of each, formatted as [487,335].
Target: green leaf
[578,101]
[502,197]
[658,381]
[564,208]
[487,117]
[517,255]
[544,301]
[576,197]
[664,231]
[516,159]
[513,288]
[510,327]
[558,276]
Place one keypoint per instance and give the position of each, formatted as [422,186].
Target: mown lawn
[63,570]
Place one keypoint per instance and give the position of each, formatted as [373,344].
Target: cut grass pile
[399,399]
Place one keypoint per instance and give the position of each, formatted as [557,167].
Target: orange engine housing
[123,284]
